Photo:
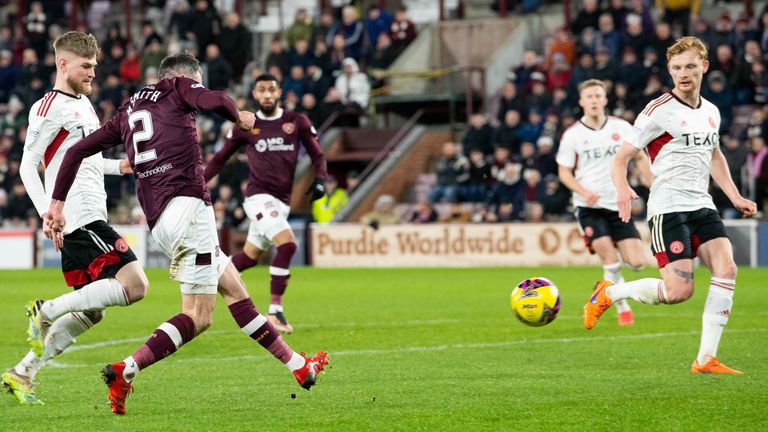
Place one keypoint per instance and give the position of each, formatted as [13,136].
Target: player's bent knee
[728,271]
[636,266]
[678,293]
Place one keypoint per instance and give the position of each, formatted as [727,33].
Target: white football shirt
[589,152]
[57,122]
[680,140]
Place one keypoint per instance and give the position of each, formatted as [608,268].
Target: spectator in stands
[506,135]
[451,169]
[301,28]
[662,40]
[559,73]
[353,179]
[19,43]
[12,119]
[9,75]
[423,212]
[545,158]
[20,206]
[352,29]
[527,156]
[608,36]
[724,60]
[605,67]
[762,29]
[148,35]
[403,30]
[583,71]
[325,208]
[651,63]
[554,198]
[216,69]
[736,155]
[506,202]
[383,55]
[722,33]
[562,44]
[588,17]
[317,82]
[742,80]
[679,12]
[321,57]
[278,57]
[130,67]
[757,166]
[480,177]
[337,54]
[308,107]
[353,87]
[479,136]
[522,73]
[300,55]
[153,54]
[36,28]
[533,188]
[332,104]
[719,93]
[383,213]
[110,65]
[204,26]
[634,37]
[235,43]
[538,98]
[31,69]
[294,83]
[6,38]
[325,28]
[114,37]
[377,22]
[179,21]
[531,129]
[509,99]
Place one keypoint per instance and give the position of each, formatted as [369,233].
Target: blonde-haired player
[95,260]
[679,130]
[584,157]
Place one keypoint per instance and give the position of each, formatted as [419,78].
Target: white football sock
[648,291]
[612,272]
[61,335]
[296,362]
[717,309]
[131,369]
[96,295]
[275,308]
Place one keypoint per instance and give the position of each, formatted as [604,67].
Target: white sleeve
[112,167]
[31,179]
[566,155]
[643,132]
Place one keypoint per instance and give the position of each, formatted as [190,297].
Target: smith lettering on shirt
[272,147]
[157,127]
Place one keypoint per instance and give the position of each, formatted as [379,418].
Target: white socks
[612,272]
[648,291]
[96,295]
[717,309]
[61,335]
[131,369]
[296,362]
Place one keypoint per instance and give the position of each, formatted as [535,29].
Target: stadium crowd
[503,169]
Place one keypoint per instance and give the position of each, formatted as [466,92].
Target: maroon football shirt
[157,126]
[272,147]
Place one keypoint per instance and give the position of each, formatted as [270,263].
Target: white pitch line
[480,345]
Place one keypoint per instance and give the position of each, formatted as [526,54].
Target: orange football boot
[597,304]
[713,366]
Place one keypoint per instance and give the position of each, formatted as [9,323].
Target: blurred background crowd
[500,168]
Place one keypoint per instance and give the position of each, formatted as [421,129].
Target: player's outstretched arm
[624,193]
[222,156]
[569,180]
[722,177]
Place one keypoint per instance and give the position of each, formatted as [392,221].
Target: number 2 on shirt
[145,134]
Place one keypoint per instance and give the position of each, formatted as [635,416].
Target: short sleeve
[643,132]
[566,154]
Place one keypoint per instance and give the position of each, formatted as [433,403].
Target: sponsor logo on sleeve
[198,86]
[32,134]
[637,130]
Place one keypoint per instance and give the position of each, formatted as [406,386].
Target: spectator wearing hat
[634,37]
[383,213]
[558,73]
[539,98]
[718,91]
[545,156]
[353,86]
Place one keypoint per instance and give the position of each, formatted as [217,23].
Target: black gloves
[316,189]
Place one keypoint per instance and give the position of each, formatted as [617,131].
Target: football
[535,301]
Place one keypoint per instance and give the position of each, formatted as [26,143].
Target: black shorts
[676,236]
[598,222]
[92,252]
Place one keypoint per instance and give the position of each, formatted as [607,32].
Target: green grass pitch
[411,350]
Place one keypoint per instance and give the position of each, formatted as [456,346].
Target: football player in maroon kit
[157,127]
[272,147]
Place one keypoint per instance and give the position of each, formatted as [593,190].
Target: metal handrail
[391,144]
[328,122]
